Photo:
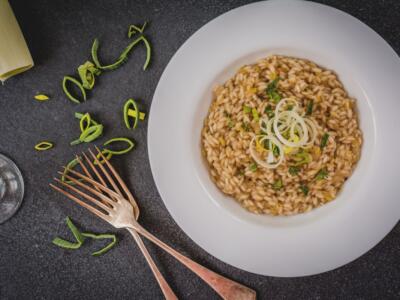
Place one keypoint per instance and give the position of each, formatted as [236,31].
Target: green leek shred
[81,237]
[124,55]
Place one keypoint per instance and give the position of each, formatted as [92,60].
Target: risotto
[281,136]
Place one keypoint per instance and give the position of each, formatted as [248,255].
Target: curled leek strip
[69,166]
[43,146]
[100,237]
[106,154]
[77,83]
[87,73]
[133,29]
[131,110]
[119,139]
[84,122]
[81,237]
[124,55]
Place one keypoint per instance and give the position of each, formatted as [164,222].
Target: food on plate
[281,136]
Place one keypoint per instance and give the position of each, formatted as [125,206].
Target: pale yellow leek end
[15,57]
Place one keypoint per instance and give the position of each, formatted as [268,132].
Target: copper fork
[110,205]
[164,286]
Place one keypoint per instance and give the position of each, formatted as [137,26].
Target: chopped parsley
[324,140]
[304,189]
[277,185]
[310,107]
[272,91]
[322,174]
[294,170]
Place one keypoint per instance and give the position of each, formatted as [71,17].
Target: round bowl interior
[367,125]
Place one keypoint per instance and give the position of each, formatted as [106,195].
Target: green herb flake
[246,109]
[324,140]
[231,124]
[272,92]
[304,189]
[275,150]
[253,167]
[246,126]
[277,185]
[309,108]
[269,111]
[294,170]
[322,174]
[254,112]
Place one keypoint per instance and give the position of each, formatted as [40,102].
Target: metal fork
[164,286]
[111,206]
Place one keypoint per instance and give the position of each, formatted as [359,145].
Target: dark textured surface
[59,34]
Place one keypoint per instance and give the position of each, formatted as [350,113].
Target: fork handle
[226,288]
[165,288]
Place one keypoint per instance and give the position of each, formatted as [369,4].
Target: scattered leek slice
[43,146]
[41,97]
[91,133]
[87,73]
[85,122]
[77,83]
[90,129]
[116,140]
[131,110]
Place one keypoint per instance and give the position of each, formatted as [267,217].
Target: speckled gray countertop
[59,34]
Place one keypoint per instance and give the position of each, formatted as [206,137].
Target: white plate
[328,237]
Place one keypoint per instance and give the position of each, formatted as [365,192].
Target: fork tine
[122,184]
[84,195]
[116,175]
[106,173]
[103,182]
[91,177]
[80,202]
[88,188]
[93,182]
